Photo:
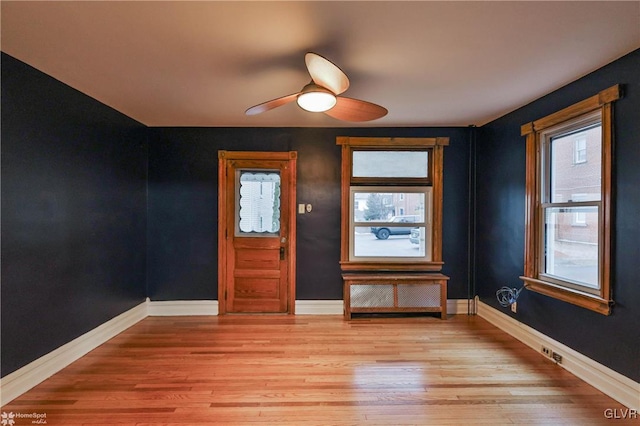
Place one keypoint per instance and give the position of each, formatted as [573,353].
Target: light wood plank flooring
[321,370]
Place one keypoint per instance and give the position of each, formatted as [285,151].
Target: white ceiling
[200,63]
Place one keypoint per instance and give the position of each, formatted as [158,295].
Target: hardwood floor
[322,370]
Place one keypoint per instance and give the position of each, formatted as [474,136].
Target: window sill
[575,297]
[391,266]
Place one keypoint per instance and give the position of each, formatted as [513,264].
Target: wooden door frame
[223,158]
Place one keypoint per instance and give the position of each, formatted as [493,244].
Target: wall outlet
[551,354]
[514,307]
[557,357]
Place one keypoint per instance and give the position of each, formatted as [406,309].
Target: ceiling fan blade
[325,73]
[274,103]
[348,109]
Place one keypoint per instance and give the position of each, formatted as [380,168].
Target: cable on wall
[506,296]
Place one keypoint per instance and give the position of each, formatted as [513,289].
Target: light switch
[301,209]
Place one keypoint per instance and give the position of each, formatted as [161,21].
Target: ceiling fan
[321,94]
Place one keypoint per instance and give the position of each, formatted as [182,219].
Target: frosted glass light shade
[316,101]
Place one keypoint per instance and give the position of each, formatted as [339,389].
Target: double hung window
[391,203]
[568,203]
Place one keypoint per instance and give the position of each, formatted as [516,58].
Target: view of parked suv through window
[393,217]
[383,232]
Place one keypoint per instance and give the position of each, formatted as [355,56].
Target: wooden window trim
[603,302]
[434,179]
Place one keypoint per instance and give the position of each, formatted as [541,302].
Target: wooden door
[256,232]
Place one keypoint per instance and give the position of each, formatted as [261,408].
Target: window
[379,234]
[391,204]
[568,209]
[580,148]
[580,218]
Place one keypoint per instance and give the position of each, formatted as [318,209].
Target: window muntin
[380,231]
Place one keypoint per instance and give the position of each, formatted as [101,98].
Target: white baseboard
[303,307]
[34,373]
[319,307]
[460,306]
[182,308]
[210,307]
[612,383]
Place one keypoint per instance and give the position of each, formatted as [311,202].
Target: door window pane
[569,176]
[571,252]
[258,202]
[390,164]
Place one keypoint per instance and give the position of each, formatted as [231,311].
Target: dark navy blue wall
[183,180]
[75,251]
[73,214]
[612,340]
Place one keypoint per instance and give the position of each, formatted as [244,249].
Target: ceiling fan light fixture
[316,99]
[328,82]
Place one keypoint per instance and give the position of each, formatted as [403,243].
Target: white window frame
[577,124]
[427,223]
